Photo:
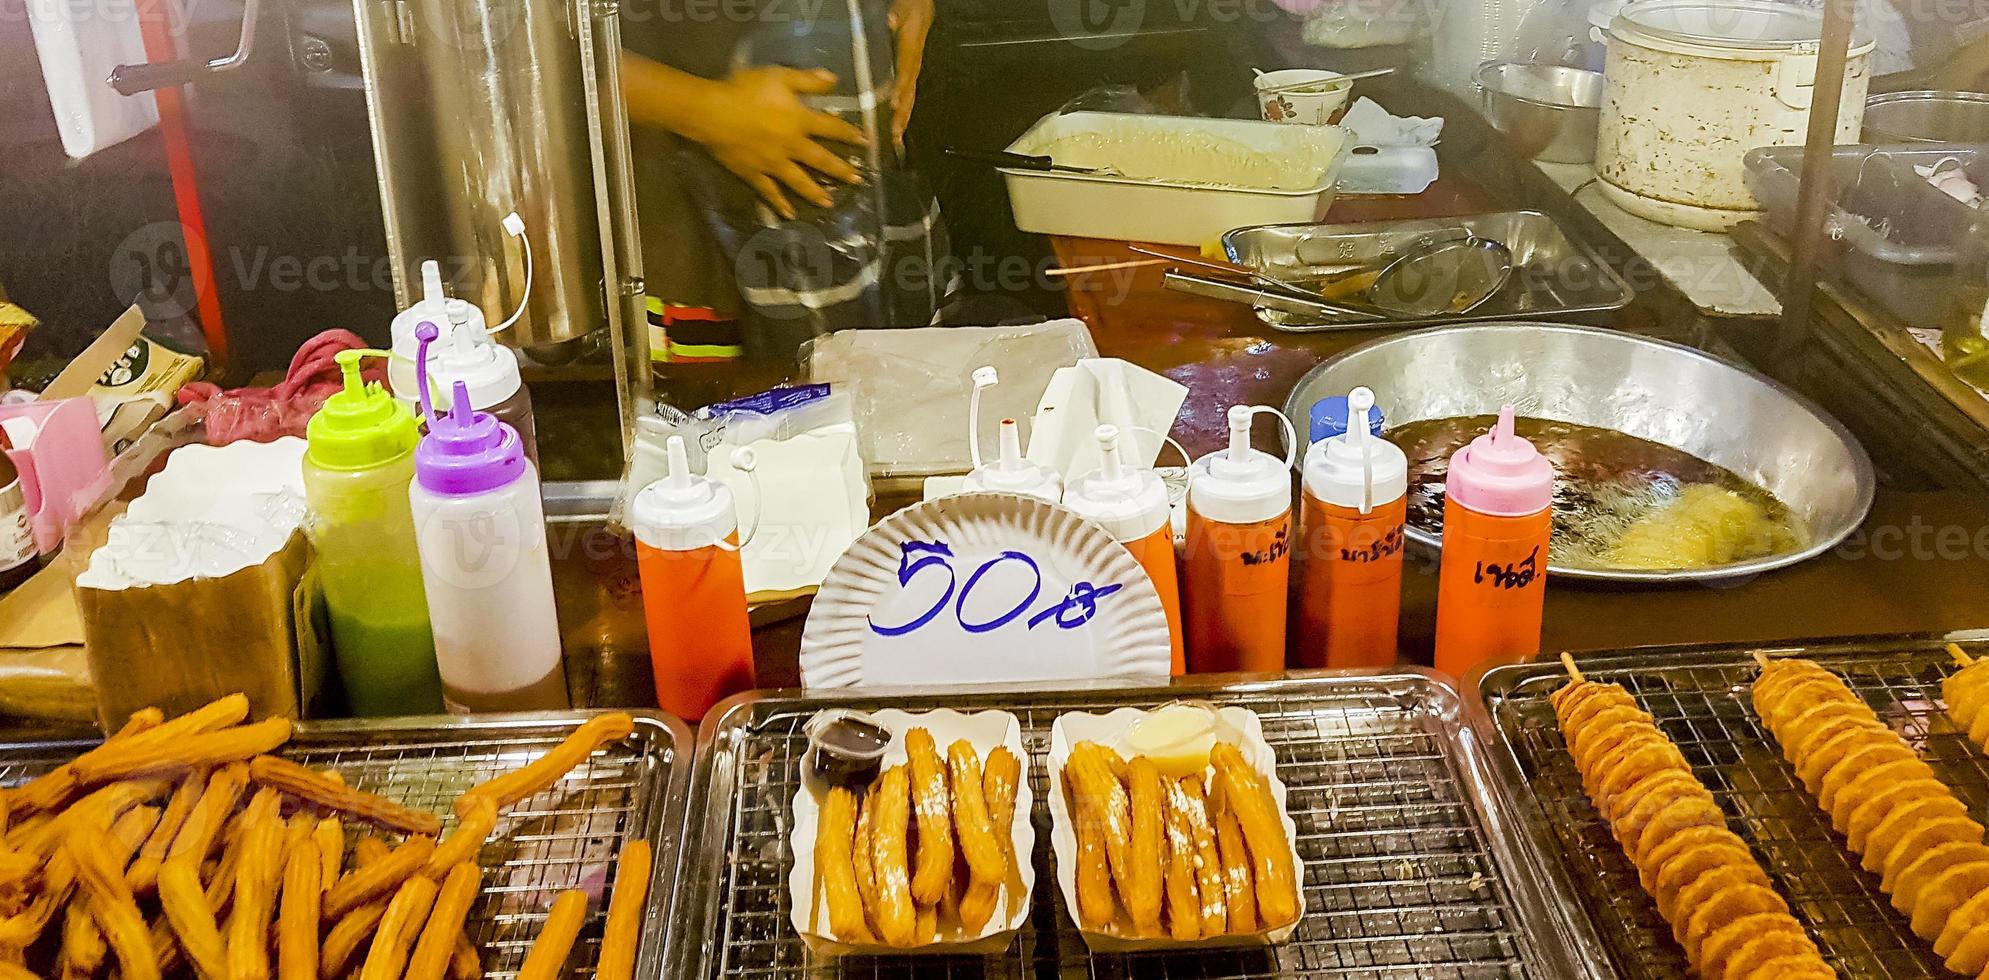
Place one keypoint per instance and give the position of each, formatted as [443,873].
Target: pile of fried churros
[1184,861]
[183,846]
[922,851]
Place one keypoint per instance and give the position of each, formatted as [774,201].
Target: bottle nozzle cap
[1501,473]
[360,426]
[1356,469]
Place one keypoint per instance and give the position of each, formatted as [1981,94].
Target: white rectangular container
[1169,212]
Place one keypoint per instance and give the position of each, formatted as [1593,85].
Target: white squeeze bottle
[1131,502]
[1012,473]
[481,531]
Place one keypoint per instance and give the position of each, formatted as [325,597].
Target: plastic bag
[799,487]
[911,388]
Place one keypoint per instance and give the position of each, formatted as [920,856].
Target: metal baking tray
[1700,699]
[545,844]
[1409,869]
[1554,275]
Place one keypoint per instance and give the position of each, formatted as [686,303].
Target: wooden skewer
[1574,672]
[1106,267]
[1960,656]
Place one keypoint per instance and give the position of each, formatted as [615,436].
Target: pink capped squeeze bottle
[1497,519]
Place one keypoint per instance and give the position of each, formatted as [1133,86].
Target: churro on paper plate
[1170,829]
[912,833]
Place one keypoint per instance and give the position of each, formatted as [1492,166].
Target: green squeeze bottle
[358,461]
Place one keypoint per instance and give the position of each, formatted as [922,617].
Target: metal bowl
[1666,393]
[1548,112]
[1927,117]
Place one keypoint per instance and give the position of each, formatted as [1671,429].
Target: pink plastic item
[268,414]
[1500,474]
[64,470]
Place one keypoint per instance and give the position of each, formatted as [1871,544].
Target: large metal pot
[1666,393]
[1927,117]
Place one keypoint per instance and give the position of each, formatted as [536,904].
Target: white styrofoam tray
[1169,212]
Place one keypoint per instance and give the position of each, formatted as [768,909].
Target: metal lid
[1740,25]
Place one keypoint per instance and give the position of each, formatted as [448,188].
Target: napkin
[1392,154]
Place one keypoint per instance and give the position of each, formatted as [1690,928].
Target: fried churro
[377,879]
[387,959]
[437,942]
[547,958]
[183,754]
[191,918]
[298,914]
[143,873]
[257,872]
[897,919]
[623,933]
[548,769]
[318,788]
[1141,888]
[932,807]
[1208,859]
[835,873]
[1249,797]
[999,778]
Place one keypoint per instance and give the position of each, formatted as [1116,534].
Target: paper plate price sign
[980,588]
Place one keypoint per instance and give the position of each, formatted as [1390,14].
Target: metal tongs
[1269,292]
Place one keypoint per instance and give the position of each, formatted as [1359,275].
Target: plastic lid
[1356,469]
[361,426]
[1130,503]
[1738,24]
[683,511]
[433,305]
[1501,474]
[1014,474]
[488,369]
[1240,485]
[1329,418]
[465,451]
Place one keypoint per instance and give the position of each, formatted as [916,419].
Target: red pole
[155,24]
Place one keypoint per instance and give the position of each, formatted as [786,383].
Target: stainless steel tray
[1409,870]
[1554,275]
[545,844]
[1700,699]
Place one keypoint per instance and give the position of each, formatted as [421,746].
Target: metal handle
[132,79]
[1204,286]
[1002,158]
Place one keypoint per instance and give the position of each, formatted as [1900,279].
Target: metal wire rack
[567,837]
[1700,700]
[1405,872]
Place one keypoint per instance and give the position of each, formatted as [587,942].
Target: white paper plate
[1122,634]
[985,730]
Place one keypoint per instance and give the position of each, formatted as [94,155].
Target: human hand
[756,125]
[911,21]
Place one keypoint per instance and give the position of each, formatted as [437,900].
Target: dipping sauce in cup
[1306,96]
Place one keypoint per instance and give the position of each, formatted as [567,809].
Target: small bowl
[1305,96]
[1549,112]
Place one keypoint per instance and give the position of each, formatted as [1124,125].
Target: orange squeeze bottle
[1497,520]
[693,589]
[1355,502]
[1239,555]
[1132,504]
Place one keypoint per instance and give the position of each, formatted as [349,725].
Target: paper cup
[984,730]
[1110,730]
[1305,96]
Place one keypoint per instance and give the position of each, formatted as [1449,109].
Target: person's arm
[753,123]
[911,21]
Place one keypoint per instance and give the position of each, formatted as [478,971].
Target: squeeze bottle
[1497,518]
[1132,504]
[358,463]
[481,531]
[1239,554]
[435,308]
[693,588]
[1011,473]
[1355,502]
[490,370]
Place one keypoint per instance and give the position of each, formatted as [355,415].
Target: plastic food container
[1244,729]
[1175,212]
[984,730]
[1899,239]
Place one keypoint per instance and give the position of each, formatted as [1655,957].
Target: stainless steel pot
[1666,393]
[1548,112]
[1927,117]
